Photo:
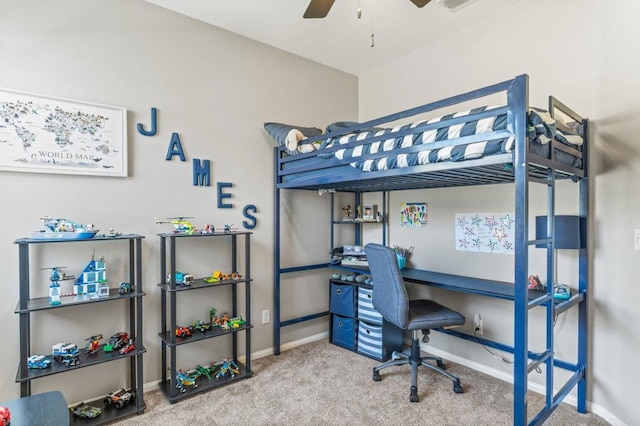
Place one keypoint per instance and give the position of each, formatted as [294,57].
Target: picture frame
[43,134]
[369,211]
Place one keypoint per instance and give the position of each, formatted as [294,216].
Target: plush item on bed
[290,136]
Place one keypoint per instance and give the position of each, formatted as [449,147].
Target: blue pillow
[339,125]
[279,132]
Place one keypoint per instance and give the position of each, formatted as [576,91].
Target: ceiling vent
[454,5]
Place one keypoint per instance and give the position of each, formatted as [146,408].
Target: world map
[42,135]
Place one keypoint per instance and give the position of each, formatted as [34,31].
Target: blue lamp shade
[570,232]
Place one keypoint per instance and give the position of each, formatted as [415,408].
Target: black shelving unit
[28,306]
[169,290]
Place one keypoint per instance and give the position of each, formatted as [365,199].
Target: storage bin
[378,341]
[366,311]
[342,332]
[342,302]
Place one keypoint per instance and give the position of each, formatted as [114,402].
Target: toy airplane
[180,225]
[63,229]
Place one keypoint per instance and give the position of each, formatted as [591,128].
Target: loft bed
[514,143]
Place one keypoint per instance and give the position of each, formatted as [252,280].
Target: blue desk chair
[390,299]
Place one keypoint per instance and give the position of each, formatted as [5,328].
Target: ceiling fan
[320,8]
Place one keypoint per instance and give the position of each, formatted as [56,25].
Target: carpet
[322,384]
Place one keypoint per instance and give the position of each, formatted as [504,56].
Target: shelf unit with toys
[28,306]
[182,384]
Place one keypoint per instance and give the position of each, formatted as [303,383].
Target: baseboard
[534,387]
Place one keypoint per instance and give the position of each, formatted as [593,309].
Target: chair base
[415,360]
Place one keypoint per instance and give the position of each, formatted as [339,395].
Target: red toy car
[5,416]
[183,331]
[130,346]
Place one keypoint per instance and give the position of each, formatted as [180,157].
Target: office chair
[390,299]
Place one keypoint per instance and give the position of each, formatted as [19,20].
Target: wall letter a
[175,148]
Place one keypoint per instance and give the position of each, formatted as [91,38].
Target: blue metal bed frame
[521,168]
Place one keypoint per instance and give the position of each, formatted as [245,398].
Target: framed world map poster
[48,135]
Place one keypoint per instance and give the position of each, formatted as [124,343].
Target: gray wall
[216,90]
[583,52]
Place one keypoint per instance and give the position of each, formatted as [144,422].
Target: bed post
[517,99]
[276,257]
[583,274]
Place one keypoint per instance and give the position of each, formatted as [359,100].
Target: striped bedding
[541,130]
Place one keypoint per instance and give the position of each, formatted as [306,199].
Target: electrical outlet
[477,324]
[266,316]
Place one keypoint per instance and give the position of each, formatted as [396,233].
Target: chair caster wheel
[457,387]
[376,376]
[441,365]
[414,394]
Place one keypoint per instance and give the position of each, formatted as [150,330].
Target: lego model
[180,225]
[93,280]
[183,331]
[200,326]
[5,416]
[119,398]
[93,344]
[561,292]
[236,322]
[117,341]
[205,370]
[221,321]
[63,229]
[54,287]
[66,353]
[38,361]
[128,348]
[228,366]
[181,278]
[125,287]
[85,411]
[184,379]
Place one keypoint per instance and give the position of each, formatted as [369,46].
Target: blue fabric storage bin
[379,341]
[366,311]
[343,332]
[370,339]
[342,301]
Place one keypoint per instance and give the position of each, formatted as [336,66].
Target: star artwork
[485,232]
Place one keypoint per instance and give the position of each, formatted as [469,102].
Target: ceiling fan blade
[420,3]
[318,8]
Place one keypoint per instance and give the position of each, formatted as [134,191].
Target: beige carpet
[322,384]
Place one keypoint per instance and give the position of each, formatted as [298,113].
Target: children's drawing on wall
[485,232]
[413,214]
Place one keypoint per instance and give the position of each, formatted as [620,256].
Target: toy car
[5,416]
[85,411]
[66,353]
[119,398]
[200,326]
[236,322]
[181,278]
[183,331]
[38,361]
[534,283]
[561,292]
[130,346]
[125,287]
[117,341]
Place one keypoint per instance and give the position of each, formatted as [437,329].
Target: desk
[490,288]
[44,409]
